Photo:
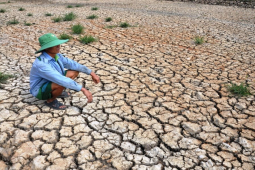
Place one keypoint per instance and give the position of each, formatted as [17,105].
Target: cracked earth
[162,102]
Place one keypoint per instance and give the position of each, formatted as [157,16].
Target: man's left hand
[95,78]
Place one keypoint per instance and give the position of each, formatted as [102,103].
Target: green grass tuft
[94,8]
[87,39]
[57,19]
[199,40]
[111,26]
[27,24]
[239,90]
[13,22]
[77,29]
[2,10]
[65,36]
[78,5]
[5,77]
[124,25]
[21,9]
[92,17]
[69,17]
[48,14]
[69,6]
[108,19]
[29,14]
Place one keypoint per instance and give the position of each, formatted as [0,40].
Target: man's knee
[72,74]
[55,86]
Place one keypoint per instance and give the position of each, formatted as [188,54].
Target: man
[48,79]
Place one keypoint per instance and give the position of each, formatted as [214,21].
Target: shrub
[77,29]
[57,19]
[29,14]
[239,90]
[108,19]
[2,10]
[199,40]
[87,39]
[21,9]
[69,17]
[69,6]
[64,36]
[27,24]
[5,77]
[78,5]
[13,22]
[94,8]
[111,26]
[48,14]
[124,25]
[92,17]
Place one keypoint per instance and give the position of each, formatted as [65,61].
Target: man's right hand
[87,94]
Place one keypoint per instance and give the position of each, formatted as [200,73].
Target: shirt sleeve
[47,72]
[73,65]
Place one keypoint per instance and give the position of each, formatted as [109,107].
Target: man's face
[53,50]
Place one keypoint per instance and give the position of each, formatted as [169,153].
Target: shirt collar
[48,57]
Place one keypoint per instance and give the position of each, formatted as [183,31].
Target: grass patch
[69,17]
[13,22]
[87,39]
[78,5]
[239,90]
[108,19]
[48,14]
[27,24]
[4,78]
[69,6]
[65,36]
[29,14]
[111,26]
[92,17]
[77,29]
[124,25]
[2,10]
[57,19]
[21,9]
[199,40]
[94,8]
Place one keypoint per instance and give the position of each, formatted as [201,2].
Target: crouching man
[48,77]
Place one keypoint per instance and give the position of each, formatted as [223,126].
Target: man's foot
[64,95]
[55,104]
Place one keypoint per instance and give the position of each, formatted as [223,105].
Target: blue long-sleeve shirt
[48,69]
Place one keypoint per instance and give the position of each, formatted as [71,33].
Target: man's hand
[95,78]
[87,94]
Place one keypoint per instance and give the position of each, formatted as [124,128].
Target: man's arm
[48,73]
[73,65]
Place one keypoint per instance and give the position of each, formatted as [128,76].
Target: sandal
[64,95]
[55,104]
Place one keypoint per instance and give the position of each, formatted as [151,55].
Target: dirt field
[162,102]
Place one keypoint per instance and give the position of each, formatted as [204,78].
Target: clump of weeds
[65,36]
[77,29]
[94,8]
[92,17]
[240,90]
[87,39]
[108,19]
[69,17]
[13,22]
[199,40]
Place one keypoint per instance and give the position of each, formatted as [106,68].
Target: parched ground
[162,102]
